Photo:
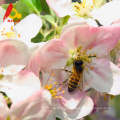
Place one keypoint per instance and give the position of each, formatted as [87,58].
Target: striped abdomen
[73,83]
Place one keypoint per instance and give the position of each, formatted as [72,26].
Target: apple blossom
[66,7]
[24,31]
[65,105]
[91,45]
[26,83]
[28,99]
[13,40]
[37,107]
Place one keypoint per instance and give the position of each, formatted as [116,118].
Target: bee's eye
[80,62]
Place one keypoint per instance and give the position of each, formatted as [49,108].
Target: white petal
[85,107]
[61,7]
[36,107]
[108,13]
[3,108]
[105,76]
[2,13]
[20,86]
[28,28]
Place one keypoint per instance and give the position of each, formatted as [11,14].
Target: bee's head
[78,64]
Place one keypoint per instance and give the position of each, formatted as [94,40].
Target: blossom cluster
[62,63]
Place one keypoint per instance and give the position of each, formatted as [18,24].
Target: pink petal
[61,7]
[70,100]
[20,86]
[104,77]
[85,108]
[74,36]
[106,35]
[3,108]
[13,56]
[36,107]
[33,63]
[53,55]
[78,34]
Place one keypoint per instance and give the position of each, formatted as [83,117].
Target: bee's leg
[67,70]
[64,81]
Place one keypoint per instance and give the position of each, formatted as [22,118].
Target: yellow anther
[55,91]
[55,83]
[54,88]
[94,54]
[93,1]
[53,94]
[86,69]
[56,96]
[12,28]
[18,35]
[59,96]
[63,91]
[59,88]
[46,86]
[92,7]
[2,70]
[90,48]
[4,29]
[90,60]
[92,67]
[50,79]
[53,74]
[90,54]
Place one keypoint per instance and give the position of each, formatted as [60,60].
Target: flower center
[83,9]
[82,55]
[54,89]
[8,34]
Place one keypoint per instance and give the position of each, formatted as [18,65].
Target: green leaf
[49,18]
[8,118]
[46,7]
[34,5]
[58,118]
[22,9]
[88,117]
[38,38]
[1,77]
[116,103]
[49,36]
[64,20]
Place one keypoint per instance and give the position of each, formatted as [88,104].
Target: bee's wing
[81,83]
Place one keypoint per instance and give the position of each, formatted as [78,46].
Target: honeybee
[75,77]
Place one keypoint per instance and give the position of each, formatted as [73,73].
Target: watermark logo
[8,11]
